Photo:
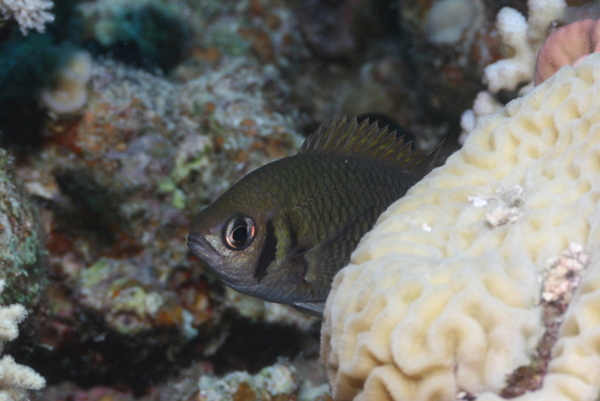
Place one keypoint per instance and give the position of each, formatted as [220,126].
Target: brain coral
[443,295]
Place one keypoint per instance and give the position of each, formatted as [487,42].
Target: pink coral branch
[568,45]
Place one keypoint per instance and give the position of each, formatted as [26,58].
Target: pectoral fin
[333,252]
[322,261]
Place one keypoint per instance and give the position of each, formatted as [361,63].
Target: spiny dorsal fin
[345,135]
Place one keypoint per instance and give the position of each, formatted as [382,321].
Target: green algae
[178,198]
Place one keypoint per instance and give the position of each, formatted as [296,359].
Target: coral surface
[425,314]
[20,243]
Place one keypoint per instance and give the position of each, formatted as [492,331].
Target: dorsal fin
[344,135]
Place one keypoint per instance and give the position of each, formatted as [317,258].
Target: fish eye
[239,232]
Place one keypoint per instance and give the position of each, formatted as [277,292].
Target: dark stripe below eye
[268,253]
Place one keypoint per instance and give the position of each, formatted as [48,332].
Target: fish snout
[194,238]
[202,249]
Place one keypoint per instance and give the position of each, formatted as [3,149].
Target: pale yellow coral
[426,314]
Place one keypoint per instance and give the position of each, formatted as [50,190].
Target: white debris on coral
[478,200]
[502,216]
[15,379]
[506,205]
[524,37]
[30,14]
[562,274]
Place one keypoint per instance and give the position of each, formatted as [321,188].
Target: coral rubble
[276,382]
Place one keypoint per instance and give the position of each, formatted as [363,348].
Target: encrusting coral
[568,45]
[423,314]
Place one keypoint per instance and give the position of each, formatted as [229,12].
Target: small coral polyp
[68,93]
[426,314]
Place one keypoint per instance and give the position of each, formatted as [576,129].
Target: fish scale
[283,231]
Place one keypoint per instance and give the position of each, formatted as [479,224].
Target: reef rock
[20,246]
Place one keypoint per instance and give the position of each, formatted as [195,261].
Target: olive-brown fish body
[283,231]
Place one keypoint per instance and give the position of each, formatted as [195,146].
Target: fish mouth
[213,261]
[203,250]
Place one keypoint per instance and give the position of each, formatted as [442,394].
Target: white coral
[30,14]
[15,379]
[10,316]
[485,104]
[524,37]
[508,73]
